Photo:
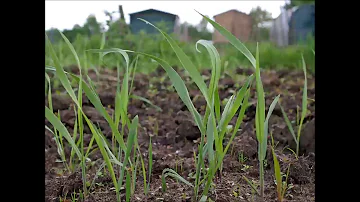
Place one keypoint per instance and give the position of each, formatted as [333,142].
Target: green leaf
[288,123]
[62,129]
[170,172]
[128,186]
[277,171]
[130,144]
[147,101]
[186,62]
[266,124]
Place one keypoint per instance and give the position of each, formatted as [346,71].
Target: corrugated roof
[149,10]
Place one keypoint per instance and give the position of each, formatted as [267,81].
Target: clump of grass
[213,125]
[303,111]
[111,156]
[261,124]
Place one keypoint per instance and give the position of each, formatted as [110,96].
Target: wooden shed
[153,16]
[238,23]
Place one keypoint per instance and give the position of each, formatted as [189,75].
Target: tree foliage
[259,17]
[294,3]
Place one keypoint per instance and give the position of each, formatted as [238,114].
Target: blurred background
[284,30]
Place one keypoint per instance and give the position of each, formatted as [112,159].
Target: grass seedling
[261,123]
[120,114]
[303,112]
[281,186]
[214,125]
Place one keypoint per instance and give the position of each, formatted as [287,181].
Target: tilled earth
[175,138]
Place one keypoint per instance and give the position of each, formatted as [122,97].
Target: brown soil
[177,138]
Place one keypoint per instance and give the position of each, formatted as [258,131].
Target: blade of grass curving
[186,62]
[180,87]
[49,91]
[232,39]
[105,145]
[288,123]
[122,99]
[214,98]
[79,117]
[170,172]
[251,184]
[89,147]
[66,84]
[62,129]
[237,125]
[304,104]
[60,71]
[104,152]
[147,101]
[233,108]
[266,125]
[96,174]
[215,75]
[95,100]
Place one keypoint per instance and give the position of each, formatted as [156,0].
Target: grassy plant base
[175,136]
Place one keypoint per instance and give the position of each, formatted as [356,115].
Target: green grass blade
[210,142]
[215,73]
[237,125]
[143,171]
[288,123]
[134,67]
[122,99]
[95,100]
[304,104]
[60,71]
[226,117]
[304,97]
[186,62]
[62,129]
[170,172]
[130,143]
[217,105]
[128,186]
[49,92]
[251,185]
[150,163]
[211,155]
[146,101]
[266,124]
[72,49]
[260,108]
[232,39]
[277,171]
[180,87]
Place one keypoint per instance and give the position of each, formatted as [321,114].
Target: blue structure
[302,23]
[153,16]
